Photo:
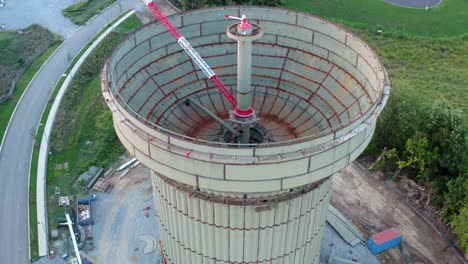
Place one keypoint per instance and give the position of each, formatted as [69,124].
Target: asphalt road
[16,150]
[47,13]
[415,3]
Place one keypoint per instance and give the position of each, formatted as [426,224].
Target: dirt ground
[121,220]
[362,198]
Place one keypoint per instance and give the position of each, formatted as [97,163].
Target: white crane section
[72,233]
[196,57]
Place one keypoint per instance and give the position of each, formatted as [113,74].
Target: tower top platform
[317,90]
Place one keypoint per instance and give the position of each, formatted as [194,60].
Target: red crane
[209,73]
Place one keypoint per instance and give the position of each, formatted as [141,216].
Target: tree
[460,225]
[399,121]
[446,134]
[419,158]
[456,197]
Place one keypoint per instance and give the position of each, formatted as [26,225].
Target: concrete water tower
[314,91]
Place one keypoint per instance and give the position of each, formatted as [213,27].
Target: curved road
[419,4]
[47,13]
[16,149]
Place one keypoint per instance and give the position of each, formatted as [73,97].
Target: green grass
[427,68]
[447,20]
[18,50]
[33,239]
[424,68]
[80,6]
[65,179]
[7,108]
[81,12]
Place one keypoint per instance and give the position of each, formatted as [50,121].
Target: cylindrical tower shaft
[200,227]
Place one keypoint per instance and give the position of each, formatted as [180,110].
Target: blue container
[384,240]
[86,200]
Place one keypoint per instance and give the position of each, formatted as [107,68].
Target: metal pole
[244,73]
[212,115]
[75,246]
[244,34]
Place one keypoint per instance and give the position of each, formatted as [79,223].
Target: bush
[460,225]
[446,134]
[455,198]
[194,4]
[66,120]
[77,7]
[109,147]
[402,117]
[430,145]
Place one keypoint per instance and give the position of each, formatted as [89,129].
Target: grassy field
[427,68]
[447,20]
[7,107]
[82,11]
[17,50]
[84,117]
[20,49]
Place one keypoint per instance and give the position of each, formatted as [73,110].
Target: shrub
[460,225]
[77,7]
[401,118]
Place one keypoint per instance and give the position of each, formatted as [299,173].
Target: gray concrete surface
[46,260]
[421,4]
[120,220]
[16,149]
[372,208]
[47,13]
[359,253]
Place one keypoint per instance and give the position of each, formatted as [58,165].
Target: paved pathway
[415,3]
[16,150]
[48,13]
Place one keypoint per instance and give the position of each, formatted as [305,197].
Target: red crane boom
[209,73]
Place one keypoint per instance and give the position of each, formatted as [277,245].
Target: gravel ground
[360,253]
[120,220]
[48,13]
[363,199]
[46,260]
